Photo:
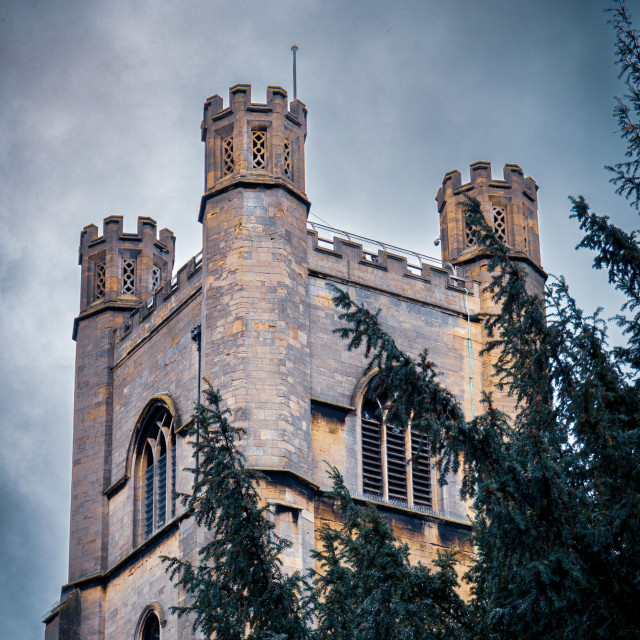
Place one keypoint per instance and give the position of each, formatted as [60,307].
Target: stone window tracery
[470,241]
[259,149]
[156,471]
[128,276]
[100,280]
[395,460]
[500,222]
[155,278]
[227,156]
[287,159]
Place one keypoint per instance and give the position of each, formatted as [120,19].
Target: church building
[252,314]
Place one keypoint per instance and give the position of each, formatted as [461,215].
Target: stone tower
[119,271]
[254,317]
[510,207]
[258,301]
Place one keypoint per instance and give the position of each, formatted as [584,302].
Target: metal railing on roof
[415,260]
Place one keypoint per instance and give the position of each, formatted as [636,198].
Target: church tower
[252,314]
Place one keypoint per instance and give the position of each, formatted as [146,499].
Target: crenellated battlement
[240,100]
[509,205]
[113,229]
[253,143]
[347,257]
[481,177]
[170,297]
[123,267]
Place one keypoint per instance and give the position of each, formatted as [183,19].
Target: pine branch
[238,589]
[366,587]
[626,174]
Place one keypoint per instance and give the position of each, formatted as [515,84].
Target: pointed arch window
[156,471]
[395,459]
[150,622]
[151,628]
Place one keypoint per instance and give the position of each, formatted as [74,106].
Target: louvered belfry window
[420,470]
[371,449]
[148,495]
[161,502]
[395,461]
[157,472]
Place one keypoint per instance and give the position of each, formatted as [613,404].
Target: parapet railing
[66,592]
[370,247]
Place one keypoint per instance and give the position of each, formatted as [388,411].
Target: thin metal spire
[294,48]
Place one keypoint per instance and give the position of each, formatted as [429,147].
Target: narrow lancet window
[128,276]
[500,223]
[227,156]
[100,280]
[259,149]
[155,278]
[287,159]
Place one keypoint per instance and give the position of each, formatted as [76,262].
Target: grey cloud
[101,107]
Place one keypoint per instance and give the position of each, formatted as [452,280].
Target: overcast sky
[100,111]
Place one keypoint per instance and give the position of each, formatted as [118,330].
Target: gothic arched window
[156,471]
[395,460]
[151,628]
[151,620]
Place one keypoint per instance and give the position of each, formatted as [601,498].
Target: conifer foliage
[366,589]
[237,590]
[555,488]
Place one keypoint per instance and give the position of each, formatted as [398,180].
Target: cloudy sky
[100,109]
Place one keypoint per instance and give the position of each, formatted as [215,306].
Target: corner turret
[253,143]
[510,206]
[255,321]
[123,269]
[119,271]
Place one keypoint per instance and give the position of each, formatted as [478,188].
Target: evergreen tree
[367,590]
[555,488]
[237,590]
